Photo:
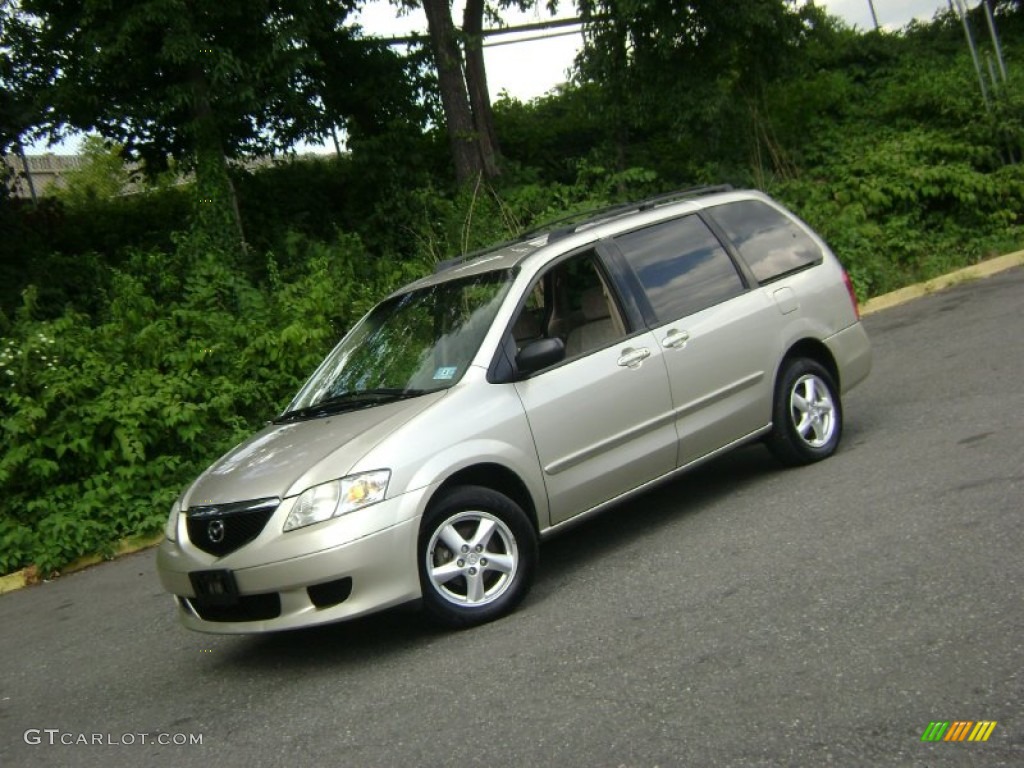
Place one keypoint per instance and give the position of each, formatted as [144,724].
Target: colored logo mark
[958,730]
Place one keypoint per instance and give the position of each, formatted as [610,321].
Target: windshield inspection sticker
[443,374]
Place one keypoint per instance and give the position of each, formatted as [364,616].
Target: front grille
[248,608]
[222,528]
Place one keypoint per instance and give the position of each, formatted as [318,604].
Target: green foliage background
[104,418]
[133,351]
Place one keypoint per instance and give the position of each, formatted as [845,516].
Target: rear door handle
[675,339]
[631,358]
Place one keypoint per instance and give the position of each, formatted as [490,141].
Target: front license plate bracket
[215,587]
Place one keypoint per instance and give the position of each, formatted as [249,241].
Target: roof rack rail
[455,261]
[570,224]
[682,194]
[441,266]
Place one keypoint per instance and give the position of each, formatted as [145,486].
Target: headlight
[338,497]
[171,528]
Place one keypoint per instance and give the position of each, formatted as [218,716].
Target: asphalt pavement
[744,615]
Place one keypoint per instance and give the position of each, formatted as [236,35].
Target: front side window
[410,344]
[768,240]
[681,266]
[571,301]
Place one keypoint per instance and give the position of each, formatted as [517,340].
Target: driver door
[602,418]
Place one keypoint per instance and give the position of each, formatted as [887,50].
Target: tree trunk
[454,99]
[621,113]
[476,83]
[217,211]
[26,170]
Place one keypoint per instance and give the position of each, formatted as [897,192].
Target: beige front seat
[597,329]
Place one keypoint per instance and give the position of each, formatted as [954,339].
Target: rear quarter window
[771,243]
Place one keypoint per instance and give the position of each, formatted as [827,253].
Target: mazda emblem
[215,530]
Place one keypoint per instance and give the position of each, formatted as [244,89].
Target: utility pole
[995,39]
[961,10]
[874,16]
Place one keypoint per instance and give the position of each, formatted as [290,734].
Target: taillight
[853,294]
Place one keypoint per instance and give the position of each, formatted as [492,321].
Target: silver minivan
[511,394]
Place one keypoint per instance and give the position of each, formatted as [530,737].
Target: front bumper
[340,569]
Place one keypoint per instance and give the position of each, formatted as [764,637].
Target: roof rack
[571,224]
[455,261]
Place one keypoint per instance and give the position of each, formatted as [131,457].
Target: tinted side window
[769,242]
[682,267]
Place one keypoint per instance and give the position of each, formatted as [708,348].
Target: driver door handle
[631,358]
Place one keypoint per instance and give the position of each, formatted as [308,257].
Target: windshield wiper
[351,400]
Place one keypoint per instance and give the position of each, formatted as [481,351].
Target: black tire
[807,414]
[477,557]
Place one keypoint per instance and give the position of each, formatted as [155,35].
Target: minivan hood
[280,457]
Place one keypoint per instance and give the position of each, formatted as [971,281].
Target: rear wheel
[477,556]
[807,417]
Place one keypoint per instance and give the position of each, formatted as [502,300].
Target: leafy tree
[1006,6]
[101,176]
[551,133]
[198,80]
[695,69]
[11,107]
[16,112]
[349,82]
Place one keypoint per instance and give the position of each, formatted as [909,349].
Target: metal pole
[962,12]
[995,39]
[992,74]
[874,16]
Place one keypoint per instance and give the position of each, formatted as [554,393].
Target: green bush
[104,422]
[903,206]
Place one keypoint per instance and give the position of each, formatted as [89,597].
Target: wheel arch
[496,477]
[811,349]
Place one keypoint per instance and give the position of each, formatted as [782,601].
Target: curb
[973,272]
[27,576]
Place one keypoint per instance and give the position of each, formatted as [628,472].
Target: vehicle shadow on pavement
[358,641]
[402,629]
[621,527]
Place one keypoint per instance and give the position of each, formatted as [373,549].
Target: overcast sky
[891,13]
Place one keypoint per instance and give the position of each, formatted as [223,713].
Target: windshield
[410,344]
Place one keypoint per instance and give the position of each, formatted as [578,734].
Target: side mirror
[539,354]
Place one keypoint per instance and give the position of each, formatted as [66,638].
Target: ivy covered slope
[891,153]
[139,338]
[105,417]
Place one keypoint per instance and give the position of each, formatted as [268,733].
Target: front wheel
[807,416]
[477,557]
